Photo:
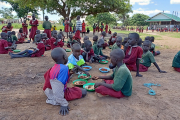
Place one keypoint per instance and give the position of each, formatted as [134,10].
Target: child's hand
[64,110]
[55,43]
[95,78]
[87,73]
[138,75]
[162,71]
[71,72]
[97,85]
[31,48]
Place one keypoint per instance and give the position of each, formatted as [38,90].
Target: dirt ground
[22,97]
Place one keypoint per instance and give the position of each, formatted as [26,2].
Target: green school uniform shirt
[115,47]
[122,80]
[47,25]
[97,51]
[14,38]
[94,26]
[102,26]
[71,24]
[95,42]
[147,59]
[153,46]
[176,60]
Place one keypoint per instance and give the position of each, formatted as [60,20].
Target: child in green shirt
[118,43]
[71,41]
[95,39]
[119,84]
[152,48]
[176,62]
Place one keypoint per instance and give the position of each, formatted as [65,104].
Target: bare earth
[22,97]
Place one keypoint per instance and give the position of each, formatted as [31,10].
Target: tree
[6,13]
[20,11]
[123,17]
[72,8]
[102,17]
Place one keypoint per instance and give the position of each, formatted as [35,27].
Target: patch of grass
[170,34]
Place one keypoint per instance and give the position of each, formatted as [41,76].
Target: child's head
[146,45]
[76,49]
[44,36]
[125,41]
[59,55]
[70,36]
[38,32]
[86,38]
[46,18]
[38,37]
[95,38]
[20,30]
[54,33]
[9,25]
[88,45]
[117,56]
[152,39]
[147,38]
[115,33]
[119,41]
[54,26]
[13,33]
[4,35]
[33,16]
[103,33]
[133,39]
[60,29]
[100,43]
[83,21]
[24,21]
[78,17]
[9,33]
[139,43]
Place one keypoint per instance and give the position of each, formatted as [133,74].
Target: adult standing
[67,28]
[106,27]
[33,23]
[83,28]
[7,28]
[78,28]
[24,26]
[47,27]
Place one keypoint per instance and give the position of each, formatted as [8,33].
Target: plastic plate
[88,67]
[104,71]
[79,80]
[84,86]
[16,51]
[103,62]
[84,78]
[68,50]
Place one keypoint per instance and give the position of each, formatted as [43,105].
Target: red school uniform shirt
[52,40]
[130,57]
[46,41]
[3,44]
[90,54]
[5,27]
[41,50]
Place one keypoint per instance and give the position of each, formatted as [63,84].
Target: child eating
[118,43]
[176,62]
[112,39]
[133,52]
[88,52]
[119,84]
[54,40]
[147,59]
[95,39]
[56,79]
[85,38]
[46,42]
[75,60]
[38,52]
[71,41]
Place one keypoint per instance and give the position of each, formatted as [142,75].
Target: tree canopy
[6,13]
[136,20]
[72,8]
[102,17]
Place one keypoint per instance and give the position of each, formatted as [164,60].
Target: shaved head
[118,54]
[58,54]
[119,38]
[76,46]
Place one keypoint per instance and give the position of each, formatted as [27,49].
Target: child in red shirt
[112,39]
[133,52]
[54,40]
[46,42]
[88,52]
[4,44]
[21,36]
[38,52]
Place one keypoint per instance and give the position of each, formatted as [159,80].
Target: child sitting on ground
[125,41]
[38,52]
[21,36]
[85,38]
[60,40]
[176,62]
[118,43]
[95,39]
[71,41]
[112,39]
[61,32]
[103,34]
[75,60]
[109,31]
[37,33]
[56,79]
[152,48]
[11,38]
[147,59]
[98,54]
[46,42]
[54,40]
[132,52]
[88,52]
[4,44]
[119,84]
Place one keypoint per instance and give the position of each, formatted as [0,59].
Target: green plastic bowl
[84,86]
[110,47]
[68,50]
[84,78]
[103,62]
[16,51]
[80,80]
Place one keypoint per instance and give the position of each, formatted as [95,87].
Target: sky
[147,7]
